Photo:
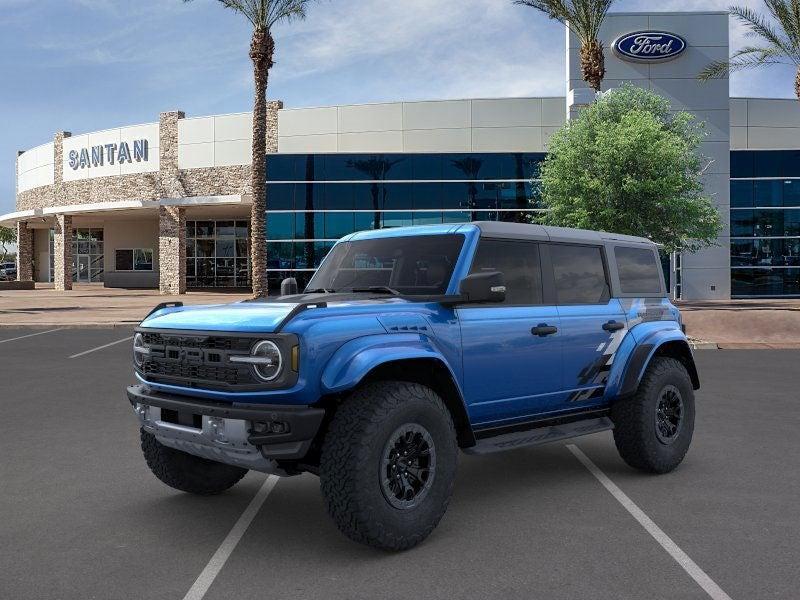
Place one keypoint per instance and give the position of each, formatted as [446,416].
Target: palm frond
[759,26]
[745,58]
[783,11]
[583,17]
[263,14]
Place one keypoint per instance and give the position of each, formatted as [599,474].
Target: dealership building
[167,204]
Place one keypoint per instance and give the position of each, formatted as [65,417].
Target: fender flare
[670,342]
[358,358]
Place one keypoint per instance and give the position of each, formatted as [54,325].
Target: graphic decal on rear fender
[637,310]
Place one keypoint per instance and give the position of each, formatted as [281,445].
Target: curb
[704,345]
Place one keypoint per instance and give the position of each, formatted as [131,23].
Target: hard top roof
[553,234]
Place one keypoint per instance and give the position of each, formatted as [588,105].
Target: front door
[592,323]
[83,268]
[511,351]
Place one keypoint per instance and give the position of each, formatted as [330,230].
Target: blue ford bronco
[407,346]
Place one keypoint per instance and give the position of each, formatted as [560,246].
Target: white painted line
[130,337]
[226,548]
[22,337]
[695,572]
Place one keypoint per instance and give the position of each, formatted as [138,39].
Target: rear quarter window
[638,271]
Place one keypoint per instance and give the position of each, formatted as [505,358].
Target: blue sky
[84,65]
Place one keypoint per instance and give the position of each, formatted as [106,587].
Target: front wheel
[388,464]
[653,428]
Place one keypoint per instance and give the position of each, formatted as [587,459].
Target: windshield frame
[341,250]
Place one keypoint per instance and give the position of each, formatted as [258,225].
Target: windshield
[411,265]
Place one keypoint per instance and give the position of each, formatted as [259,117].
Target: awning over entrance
[11,219]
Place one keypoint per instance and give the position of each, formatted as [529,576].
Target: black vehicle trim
[635,366]
[543,421]
[163,305]
[304,421]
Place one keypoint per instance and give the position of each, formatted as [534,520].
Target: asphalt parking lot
[82,517]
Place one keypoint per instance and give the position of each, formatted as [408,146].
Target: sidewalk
[744,323]
[91,305]
[728,325]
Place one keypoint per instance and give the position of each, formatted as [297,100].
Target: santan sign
[97,156]
[649,46]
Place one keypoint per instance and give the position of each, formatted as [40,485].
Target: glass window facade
[315,199]
[217,254]
[765,223]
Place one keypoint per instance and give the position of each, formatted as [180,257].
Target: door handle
[543,330]
[613,326]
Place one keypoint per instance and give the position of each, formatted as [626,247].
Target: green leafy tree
[584,18]
[263,15]
[628,165]
[778,40]
[8,236]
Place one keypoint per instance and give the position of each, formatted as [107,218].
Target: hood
[244,316]
[258,316]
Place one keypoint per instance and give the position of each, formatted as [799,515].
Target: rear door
[511,351]
[592,323]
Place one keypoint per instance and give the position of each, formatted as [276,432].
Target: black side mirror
[479,288]
[289,286]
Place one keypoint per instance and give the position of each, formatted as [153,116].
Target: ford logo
[649,46]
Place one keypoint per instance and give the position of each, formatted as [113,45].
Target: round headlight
[139,349]
[269,361]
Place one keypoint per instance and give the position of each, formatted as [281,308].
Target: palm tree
[262,15]
[584,19]
[376,168]
[780,41]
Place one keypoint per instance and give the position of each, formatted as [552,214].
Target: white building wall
[706,274]
[215,141]
[116,136]
[765,124]
[35,167]
[480,125]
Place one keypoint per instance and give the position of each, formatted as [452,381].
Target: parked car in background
[8,271]
[407,346]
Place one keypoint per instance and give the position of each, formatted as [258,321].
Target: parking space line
[688,565]
[226,548]
[85,352]
[22,337]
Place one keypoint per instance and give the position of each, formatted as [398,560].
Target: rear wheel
[186,472]
[388,464]
[653,429]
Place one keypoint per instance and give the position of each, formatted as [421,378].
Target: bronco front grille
[196,360]
[202,359]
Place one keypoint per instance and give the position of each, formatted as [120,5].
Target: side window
[638,271]
[580,277]
[519,264]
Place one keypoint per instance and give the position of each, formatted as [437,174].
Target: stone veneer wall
[62,251]
[172,250]
[24,252]
[169,182]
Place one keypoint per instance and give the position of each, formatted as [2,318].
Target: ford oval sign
[649,46]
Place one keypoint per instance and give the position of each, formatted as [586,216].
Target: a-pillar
[171,250]
[24,252]
[62,253]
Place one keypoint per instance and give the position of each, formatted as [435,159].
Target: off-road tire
[351,463]
[188,473]
[635,419]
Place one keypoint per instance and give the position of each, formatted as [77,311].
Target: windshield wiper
[377,288]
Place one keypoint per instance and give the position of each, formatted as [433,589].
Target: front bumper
[252,436]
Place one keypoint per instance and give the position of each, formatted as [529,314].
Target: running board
[540,435]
